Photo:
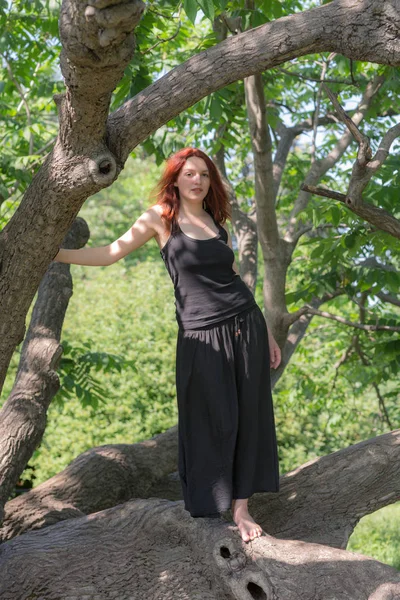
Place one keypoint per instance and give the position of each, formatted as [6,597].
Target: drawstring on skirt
[238,320]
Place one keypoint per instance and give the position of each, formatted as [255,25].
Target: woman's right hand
[145,227]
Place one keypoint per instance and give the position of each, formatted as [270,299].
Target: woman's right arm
[144,228]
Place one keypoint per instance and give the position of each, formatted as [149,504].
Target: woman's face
[193,181]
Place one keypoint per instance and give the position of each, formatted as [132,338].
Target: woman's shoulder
[156,210]
[155,213]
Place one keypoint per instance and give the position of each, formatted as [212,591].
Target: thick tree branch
[98,44]
[334,492]
[97,479]
[81,165]
[23,416]
[273,247]
[388,298]
[262,154]
[154,550]
[309,490]
[326,28]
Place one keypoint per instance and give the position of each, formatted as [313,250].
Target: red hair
[216,201]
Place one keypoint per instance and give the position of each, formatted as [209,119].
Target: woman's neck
[191,210]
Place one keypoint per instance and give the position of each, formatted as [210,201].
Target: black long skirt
[226,428]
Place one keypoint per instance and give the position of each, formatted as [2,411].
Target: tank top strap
[221,229]
[218,225]
[174,226]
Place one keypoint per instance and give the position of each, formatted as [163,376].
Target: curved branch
[97,479]
[171,555]
[388,298]
[326,28]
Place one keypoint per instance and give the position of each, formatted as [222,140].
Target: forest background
[117,371]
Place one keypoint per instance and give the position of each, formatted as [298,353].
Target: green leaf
[207,7]
[316,253]
[68,382]
[215,109]
[350,240]
[191,8]
[335,215]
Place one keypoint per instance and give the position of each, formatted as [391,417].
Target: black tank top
[207,289]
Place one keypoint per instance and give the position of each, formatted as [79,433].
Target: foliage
[76,373]
[29,76]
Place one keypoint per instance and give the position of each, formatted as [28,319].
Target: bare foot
[247,526]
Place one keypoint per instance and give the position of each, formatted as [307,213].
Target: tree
[89,153]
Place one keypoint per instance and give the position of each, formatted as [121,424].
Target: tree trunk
[23,416]
[153,550]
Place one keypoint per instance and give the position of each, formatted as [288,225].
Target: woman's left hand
[274,352]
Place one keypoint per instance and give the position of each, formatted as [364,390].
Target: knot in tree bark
[103,169]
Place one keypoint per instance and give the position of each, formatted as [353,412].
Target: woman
[227,441]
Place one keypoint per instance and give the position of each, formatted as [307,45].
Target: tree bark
[366,30]
[153,550]
[23,416]
[97,479]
